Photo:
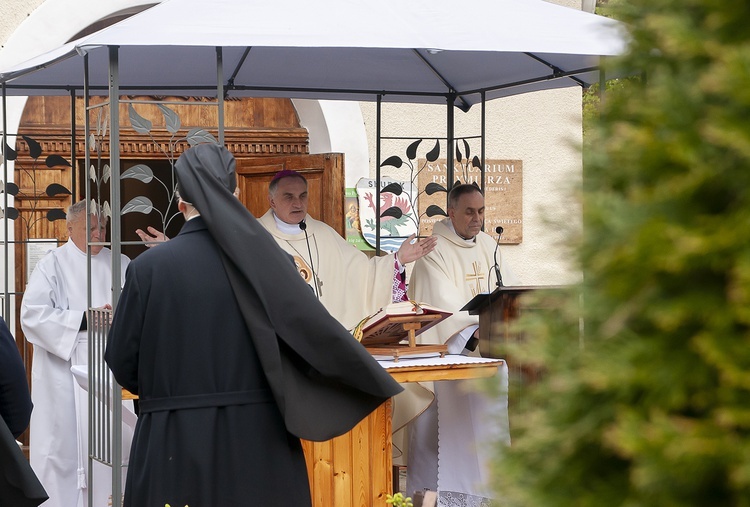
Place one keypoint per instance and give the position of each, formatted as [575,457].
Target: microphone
[499,231]
[303,227]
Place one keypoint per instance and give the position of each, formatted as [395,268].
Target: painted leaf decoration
[138,122]
[55,161]
[411,150]
[170,118]
[434,210]
[393,161]
[467,150]
[476,162]
[140,172]
[432,188]
[55,214]
[140,204]
[11,188]
[434,153]
[35,149]
[106,173]
[198,135]
[92,142]
[10,153]
[393,211]
[393,188]
[92,173]
[11,213]
[57,189]
[106,209]
[458,153]
[98,121]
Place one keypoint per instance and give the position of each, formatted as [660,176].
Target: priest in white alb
[53,319]
[449,443]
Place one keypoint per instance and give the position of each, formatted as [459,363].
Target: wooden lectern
[355,469]
[497,310]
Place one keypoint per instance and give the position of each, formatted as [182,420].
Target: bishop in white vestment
[52,318]
[349,284]
[449,442]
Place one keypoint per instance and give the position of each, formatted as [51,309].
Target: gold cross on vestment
[477,276]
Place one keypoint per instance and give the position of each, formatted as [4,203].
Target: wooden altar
[355,469]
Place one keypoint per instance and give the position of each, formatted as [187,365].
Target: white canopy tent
[418,51]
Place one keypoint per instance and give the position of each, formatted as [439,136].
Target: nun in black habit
[232,356]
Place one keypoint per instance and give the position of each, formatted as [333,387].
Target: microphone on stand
[499,231]
[303,226]
[473,342]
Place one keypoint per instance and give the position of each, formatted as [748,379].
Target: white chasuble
[52,309]
[350,285]
[450,443]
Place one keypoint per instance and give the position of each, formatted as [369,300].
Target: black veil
[323,380]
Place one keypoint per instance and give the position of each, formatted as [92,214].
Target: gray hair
[285,174]
[77,211]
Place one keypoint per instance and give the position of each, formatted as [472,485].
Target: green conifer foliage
[651,404]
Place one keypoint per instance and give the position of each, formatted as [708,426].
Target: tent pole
[6,268]
[378,135]
[72,140]
[220,92]
[484,134]
[86,127]
[450,123]
[114,163]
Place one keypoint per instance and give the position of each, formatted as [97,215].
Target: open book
[397,322]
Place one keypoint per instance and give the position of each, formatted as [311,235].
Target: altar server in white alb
[53,319]
[349,284]
[463,421]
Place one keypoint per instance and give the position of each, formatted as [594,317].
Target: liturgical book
[397,322]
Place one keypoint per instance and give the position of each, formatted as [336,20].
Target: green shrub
[652,405]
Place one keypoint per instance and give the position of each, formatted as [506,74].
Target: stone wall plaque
[503,199]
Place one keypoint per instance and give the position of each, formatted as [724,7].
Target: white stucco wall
[14,12]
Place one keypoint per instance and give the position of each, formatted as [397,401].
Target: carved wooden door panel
[325,180]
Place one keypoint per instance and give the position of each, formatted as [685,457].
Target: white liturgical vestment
[350,285]
[51,313]
[450,443]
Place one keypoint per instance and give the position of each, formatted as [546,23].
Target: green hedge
[651,406]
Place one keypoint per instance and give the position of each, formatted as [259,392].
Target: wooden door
[325,183]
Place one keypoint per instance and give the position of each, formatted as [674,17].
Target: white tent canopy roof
[410,51]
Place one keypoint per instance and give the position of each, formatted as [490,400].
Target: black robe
[15,400]
[209,432]
[19,486]
[233,357]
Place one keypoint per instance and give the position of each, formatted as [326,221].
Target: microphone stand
[472,343]
[498,276]
[303,226]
